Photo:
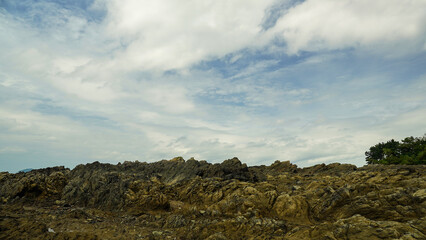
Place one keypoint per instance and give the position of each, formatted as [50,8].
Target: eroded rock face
[198,200]
[42,184]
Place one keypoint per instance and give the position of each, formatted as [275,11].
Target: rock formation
[178,199]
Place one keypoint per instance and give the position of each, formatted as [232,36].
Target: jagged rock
[292,208]
[420,194]
[198,200]
[358,227]
[285,166]
[37,184]
[217,236]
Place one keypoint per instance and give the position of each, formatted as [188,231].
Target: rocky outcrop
[40,185]
[178,199]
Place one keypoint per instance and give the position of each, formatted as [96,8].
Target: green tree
[411,150]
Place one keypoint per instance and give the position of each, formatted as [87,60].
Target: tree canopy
[411,150]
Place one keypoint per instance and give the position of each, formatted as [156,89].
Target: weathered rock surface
[191,199]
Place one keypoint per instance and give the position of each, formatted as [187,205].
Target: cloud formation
[165,34]
[390,25]
[305,81]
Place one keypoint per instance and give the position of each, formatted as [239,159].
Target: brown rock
[191,199]
[294,209]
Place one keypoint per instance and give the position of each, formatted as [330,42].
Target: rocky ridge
[178,199]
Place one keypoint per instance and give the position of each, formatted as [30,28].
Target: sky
[314,81]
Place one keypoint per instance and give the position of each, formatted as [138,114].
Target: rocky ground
[191,199]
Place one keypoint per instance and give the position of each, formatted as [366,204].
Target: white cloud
[327,25]
[97,91]
[68,65]
[166,34]
[11,149]
[148,116]
[172,99]
[33,124]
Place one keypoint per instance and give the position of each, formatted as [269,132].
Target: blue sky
[306,81]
